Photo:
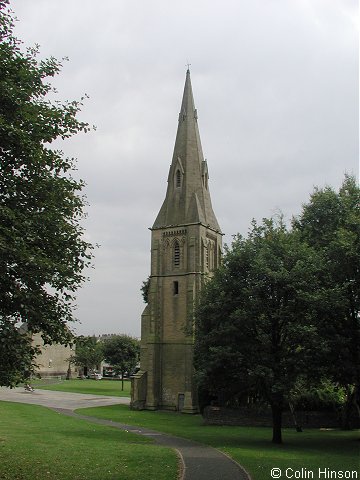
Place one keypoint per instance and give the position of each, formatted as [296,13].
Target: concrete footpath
[52,399]
[199,462]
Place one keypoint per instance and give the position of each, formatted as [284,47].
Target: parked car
[96,376]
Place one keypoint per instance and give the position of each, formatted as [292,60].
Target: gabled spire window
[206,181]
[178,178]
[205,174]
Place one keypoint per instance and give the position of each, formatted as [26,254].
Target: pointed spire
[187,197]
[187,104]
[187,143]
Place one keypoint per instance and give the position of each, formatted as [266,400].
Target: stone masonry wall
[249,417]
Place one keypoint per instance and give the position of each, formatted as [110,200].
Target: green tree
[322,395]
[42,251]
[256,327]
[330,223]
[88,353]
[145,290]
[16,355]
[122,353]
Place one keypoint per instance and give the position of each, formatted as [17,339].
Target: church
[186,246]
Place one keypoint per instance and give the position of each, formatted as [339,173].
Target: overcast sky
[275,84]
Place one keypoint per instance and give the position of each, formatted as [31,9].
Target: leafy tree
[16,355]
[256,327]
[42,251]
[330,223]
[122,353]
[145,290]
[88,353]
[323,395]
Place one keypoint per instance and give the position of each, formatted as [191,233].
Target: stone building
[53,359]
[186,243]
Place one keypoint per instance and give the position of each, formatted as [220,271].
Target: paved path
[52,399]
[199,462]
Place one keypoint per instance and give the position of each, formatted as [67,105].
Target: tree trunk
[293,414]
[276,409]
[357,399]
[347,408]
[122,381]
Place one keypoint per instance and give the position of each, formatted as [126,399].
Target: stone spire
[187,198]
[186,245]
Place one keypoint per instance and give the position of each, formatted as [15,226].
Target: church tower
[186,246]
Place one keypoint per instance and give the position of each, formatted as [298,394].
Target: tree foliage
[322,395]
[145,290]
[256,322]
[283,310]
[88,353]
[330,223]
[42,251]
[122,353]
[16,355]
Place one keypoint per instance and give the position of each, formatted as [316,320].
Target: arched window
[178,179]
[176,254]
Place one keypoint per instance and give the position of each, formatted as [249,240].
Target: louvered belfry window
[176,254]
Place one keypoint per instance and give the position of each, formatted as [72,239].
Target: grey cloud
[276,88]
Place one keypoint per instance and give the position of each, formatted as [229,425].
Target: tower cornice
[165,227]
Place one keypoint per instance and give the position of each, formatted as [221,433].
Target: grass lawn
[251,446]
[38,443]
[93,387]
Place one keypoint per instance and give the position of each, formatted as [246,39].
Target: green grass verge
[38,443]
[93,387]
[251,446]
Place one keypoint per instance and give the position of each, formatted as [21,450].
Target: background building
[53,359]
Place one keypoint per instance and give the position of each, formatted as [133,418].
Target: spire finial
[188,67]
